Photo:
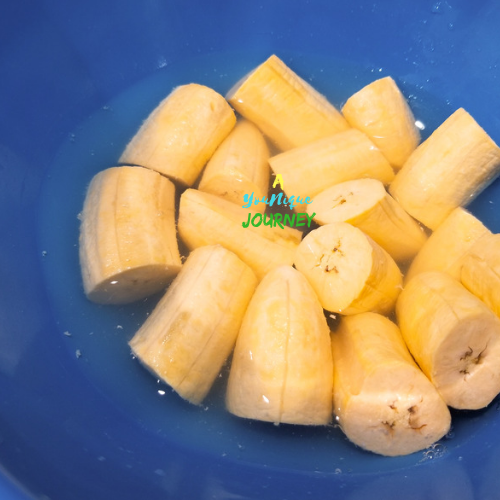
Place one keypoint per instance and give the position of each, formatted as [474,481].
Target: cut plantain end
[382,400]
[281,370]
[128,242]
[454,337]
[348,270]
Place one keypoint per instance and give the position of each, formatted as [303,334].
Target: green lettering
[309,219]
[248,221]
[270,222]
[259,216]
[291,221]
[299,224]
[277,220]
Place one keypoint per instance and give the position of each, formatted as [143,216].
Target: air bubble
[419,125]
[434,451]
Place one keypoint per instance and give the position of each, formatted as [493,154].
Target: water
[96,336]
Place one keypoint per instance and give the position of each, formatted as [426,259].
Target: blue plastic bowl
[79,418]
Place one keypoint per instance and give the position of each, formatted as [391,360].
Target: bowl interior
[79,417]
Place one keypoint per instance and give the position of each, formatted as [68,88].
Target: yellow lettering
[279,180]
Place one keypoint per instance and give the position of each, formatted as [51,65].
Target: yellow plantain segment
[447,171]
[480,272]
[381,111]
[285,108]
[205,219]
[365,203]
[349,271]
[282,365]
[239,166]
[182,133]
[311,169]
[448,245]
[383,402]
[128,242]
[192,330]
[454,338]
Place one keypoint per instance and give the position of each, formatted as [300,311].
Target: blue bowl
[79,419]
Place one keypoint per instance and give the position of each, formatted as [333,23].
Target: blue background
[62,435]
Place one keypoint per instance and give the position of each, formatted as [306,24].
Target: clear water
[96,336]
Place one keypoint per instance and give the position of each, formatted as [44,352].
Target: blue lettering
[248,200]
[275,197]
[292,202]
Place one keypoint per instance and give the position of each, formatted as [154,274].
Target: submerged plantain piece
[383,402]
[448,245]
[310,169]
[239,166]
[381,111]
[128,243]
[480,272]
[349,271]
[285,107]
[448,170]
[282,364]
[192,330]
[206,219]
[454,338]
[182,133]
[366,204]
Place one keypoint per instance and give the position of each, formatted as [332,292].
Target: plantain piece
[349,271]
[381,111]
[453,337]
[128,242]
[480,272]
[365,203]
[281,370]
[447,171]
[382,400]
[309,170]
[447,246]
[205,219]
[284,107]
[192,330]
[239,166]
[182,133]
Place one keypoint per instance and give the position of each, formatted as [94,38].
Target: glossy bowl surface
[79,419]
